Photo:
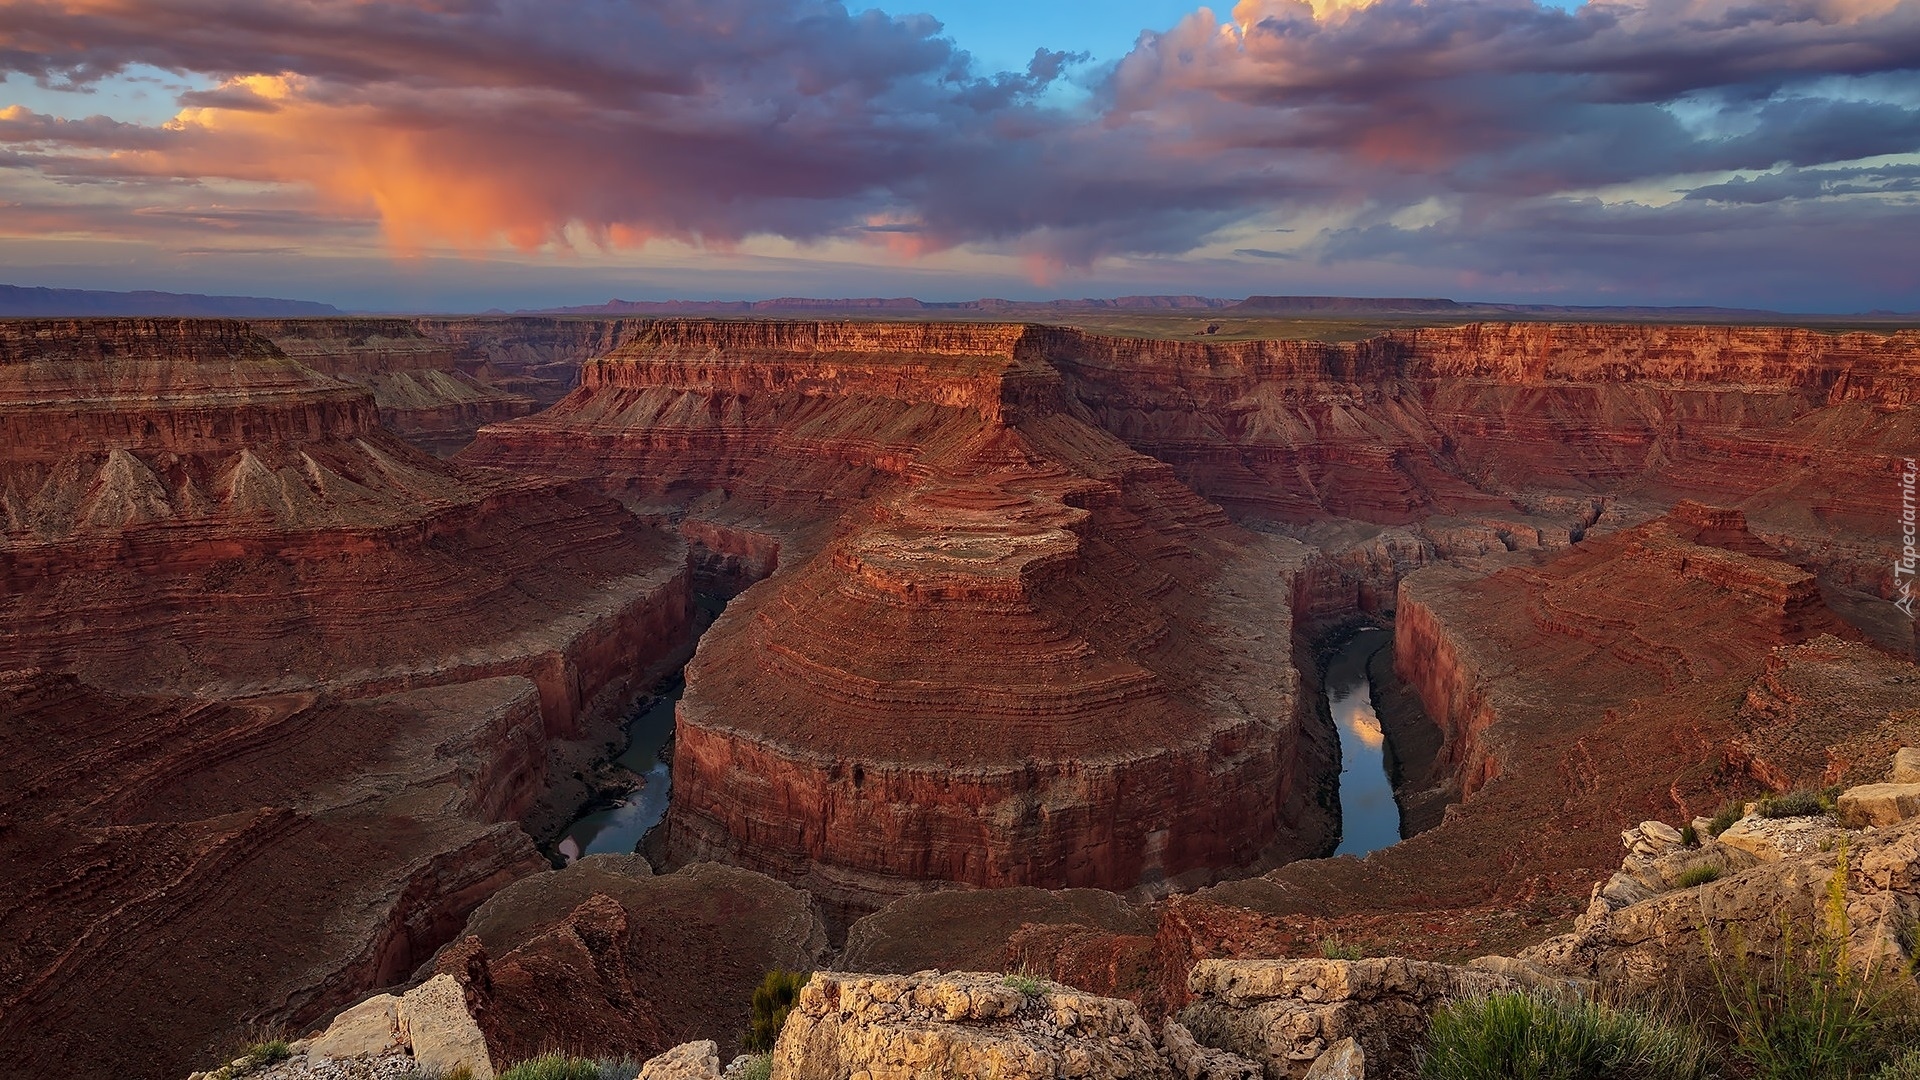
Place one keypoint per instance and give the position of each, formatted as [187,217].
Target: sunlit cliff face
[1463,137]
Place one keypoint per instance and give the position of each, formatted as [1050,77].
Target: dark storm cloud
[711,121]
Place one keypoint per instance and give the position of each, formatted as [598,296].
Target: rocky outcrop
[636,965]
[1289,1015]
[419,392]
[1816,889]
[961,1024]
[282,685]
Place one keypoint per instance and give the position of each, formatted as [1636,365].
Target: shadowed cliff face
[421,394]
[280,686]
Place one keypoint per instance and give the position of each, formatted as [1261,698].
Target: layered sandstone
[283,685]
[1802,429]
[421,394]
[1578,694]
[538,356]
[1024,655]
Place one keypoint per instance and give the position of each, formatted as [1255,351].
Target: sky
[461,155]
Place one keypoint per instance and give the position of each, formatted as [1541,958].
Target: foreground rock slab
[961,1025]
[1289,1014]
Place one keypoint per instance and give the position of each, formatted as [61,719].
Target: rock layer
[421,394]
[1024,655]
[282,685]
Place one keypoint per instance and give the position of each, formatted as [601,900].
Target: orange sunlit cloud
[542,127]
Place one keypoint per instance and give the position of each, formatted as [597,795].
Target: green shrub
[1690,836]
[760,1068]
[1724,817]
[1794,804]
[1334,949]
[1520,1036]
[1807,1012]
[553,1067]
[1699,875]
[1025,983]
[772,1000]
[1904,1067]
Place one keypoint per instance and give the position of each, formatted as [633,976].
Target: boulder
[1191,1061]
[964,1024]
[443,1034]
[1879,805]
[1286,1014]
[1774,839]
[1538,979]
[1343,1060]
[688,1061]
[365,1030]
[1651,839]
[1906,766]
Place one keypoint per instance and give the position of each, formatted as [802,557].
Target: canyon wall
[537,356]
[1803,430]
[280,685]
[421,394]
[1021,654]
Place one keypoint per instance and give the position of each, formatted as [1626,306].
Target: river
[618,828]
[1370,819]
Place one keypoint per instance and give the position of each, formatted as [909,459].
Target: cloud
[578,124]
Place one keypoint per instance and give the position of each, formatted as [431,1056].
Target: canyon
[1020,662]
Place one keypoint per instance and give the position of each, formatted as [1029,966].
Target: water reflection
[618,828]
[1370,819]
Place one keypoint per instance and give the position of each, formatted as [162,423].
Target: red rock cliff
[1025,654]
[289,683]
[420,392]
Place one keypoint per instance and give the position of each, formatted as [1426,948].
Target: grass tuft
[1904,1067]
[760,1068]
[1332,948]
[553,1067]
[1795,804]
[1698,875]
[1025,983]
[1724,817]
[1521,1036]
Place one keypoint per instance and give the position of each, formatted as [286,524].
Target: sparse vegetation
[1025,983]
[253,1057]
[622,1068]
[1699,875]
[1333,948]
[1521,1036]
[760,1068]
[1807,1012]
[1689,836]
[1724,817]
[773,999]
[1795,804]
[1904,1067]
[554,1067]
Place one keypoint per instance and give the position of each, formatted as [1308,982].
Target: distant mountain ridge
[1267,306]
[18,301]
[804,304]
